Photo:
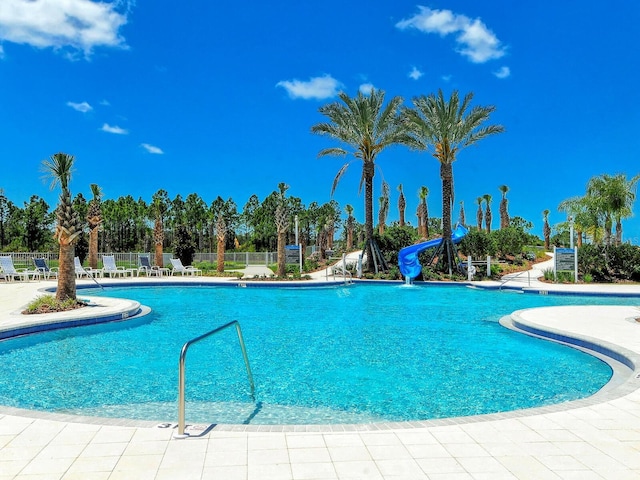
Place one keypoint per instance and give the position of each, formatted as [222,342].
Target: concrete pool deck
[595,438]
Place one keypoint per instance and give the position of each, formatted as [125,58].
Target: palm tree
[462,219]
[449,127]
[613,197]
[487,211]
[423,212]
[221,235]
[479,214]
[159,205]
[383,211]
[504,213]
[94,217]
[546,230]
[69,226]
[282,225]
[350,221]
[367,126]
[402,205]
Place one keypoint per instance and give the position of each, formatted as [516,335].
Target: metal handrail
[516,276]
[181,373]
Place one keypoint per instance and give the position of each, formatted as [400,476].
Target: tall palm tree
[546,230]
[367,126]
[479,213]
[282,225]
[94,218]
[59,168]
[350,221]
[402,205]
[449,126]
[221,236]
[487,211]
[423,212]
[504,212]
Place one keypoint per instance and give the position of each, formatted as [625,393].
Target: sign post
[565,260]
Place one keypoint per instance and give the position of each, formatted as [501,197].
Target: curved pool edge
[617,387]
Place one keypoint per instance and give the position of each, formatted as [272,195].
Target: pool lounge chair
[85,272]
[110,268]
[43,268]
[9,271]
[146,268]
[181,269]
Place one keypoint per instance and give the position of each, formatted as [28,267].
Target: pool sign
[565,260]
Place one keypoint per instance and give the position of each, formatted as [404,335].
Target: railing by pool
[182,373]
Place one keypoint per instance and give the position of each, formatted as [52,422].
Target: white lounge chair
[146,268]
[110,268]
[85,272]
[181,269]
[9,271]
[43,268]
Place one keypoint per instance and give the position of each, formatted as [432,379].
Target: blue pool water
[328,355]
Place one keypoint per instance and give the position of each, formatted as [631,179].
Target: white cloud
[504,72]
[105,103]
[447,78]
[152,149]
[114,129]
[1,52]
[415,73]
[366,88]
[318,88]
[77,24]
[83,107]
[474,39]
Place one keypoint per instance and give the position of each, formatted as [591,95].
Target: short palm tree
[94,218]
[546,230]
[449,126]
[367,127]
[504,212]
[282,225]
[349,225]
[462,220]
[487,212]
[402,205]
[423,212]
[159,205]
[69,226]
[383,211]
[221,236]
[479,213]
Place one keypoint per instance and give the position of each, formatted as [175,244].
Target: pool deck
[596,438]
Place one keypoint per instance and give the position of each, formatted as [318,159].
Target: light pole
[570,231]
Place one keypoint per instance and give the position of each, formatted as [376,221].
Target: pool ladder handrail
[181,372]
[508,279]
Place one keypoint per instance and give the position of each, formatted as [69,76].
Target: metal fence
[130,259]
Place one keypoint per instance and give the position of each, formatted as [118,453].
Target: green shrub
[478,244]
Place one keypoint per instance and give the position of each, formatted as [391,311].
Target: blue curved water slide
[408,257]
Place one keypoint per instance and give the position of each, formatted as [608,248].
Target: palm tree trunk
[93,248]
[220,255]
[368,172]
[446,174]
[66,273]
[158,255]
[282,265]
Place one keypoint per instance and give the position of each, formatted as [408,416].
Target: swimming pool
[363,353]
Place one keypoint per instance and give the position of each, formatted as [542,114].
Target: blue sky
[218,98]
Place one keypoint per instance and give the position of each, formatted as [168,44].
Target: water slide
[408,257]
